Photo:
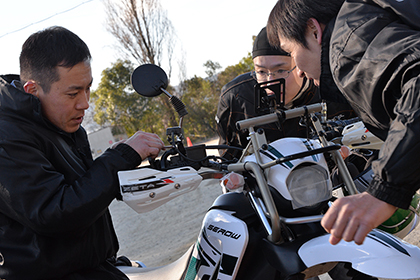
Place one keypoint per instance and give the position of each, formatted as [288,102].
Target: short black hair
[289,18]
[43,51]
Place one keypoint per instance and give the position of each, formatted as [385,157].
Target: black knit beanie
[262,47]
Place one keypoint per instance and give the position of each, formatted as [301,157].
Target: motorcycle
[362,143]
[268,225]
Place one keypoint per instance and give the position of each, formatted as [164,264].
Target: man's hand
[145,144]
[353,217]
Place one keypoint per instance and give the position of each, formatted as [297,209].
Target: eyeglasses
[263,75]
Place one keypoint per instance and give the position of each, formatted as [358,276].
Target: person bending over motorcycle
[237,97]
[54,198]
[368,51]
[237,103]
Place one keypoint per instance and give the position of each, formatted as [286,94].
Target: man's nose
[83,102]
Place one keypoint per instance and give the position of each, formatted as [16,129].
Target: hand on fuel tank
[352,217]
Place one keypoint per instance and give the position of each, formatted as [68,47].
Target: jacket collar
[19,104]
[13,100]
[307,91]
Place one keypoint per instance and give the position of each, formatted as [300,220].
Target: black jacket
[373,50]
[237,101]
[54,198]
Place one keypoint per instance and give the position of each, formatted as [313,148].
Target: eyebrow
[273,66]
[79,87]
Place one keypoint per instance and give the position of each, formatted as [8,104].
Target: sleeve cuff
[389,193]
[129,154]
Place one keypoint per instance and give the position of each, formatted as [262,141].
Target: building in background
[102,139]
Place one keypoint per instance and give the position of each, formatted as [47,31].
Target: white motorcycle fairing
[279,174]
[218,252]
[219,248]
[381,255]
[145,189]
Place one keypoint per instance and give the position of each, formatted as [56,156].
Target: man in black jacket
[237,100]
[369,51]
[54,218]
[237,103]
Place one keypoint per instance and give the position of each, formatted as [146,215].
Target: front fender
[381,255]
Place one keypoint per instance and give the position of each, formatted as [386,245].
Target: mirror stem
[166,92]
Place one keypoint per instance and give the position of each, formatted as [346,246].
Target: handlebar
[334,128]
[195,157]
[279,115]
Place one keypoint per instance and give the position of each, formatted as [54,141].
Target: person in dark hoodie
[237,103]
[237,99]
[368,51]
[54,198]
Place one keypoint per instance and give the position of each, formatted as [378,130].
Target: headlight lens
[308,185]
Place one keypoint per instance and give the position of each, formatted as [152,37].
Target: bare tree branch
[143,30]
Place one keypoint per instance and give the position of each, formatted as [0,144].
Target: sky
[217,30]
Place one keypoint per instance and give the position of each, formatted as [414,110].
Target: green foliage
[117,104]
[245,65]
[200,97]
[212,68]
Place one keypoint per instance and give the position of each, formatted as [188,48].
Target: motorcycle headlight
[309,185]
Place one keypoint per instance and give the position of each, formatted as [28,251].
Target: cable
[68,10]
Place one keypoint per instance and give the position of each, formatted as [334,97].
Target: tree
[200,97]
[146,34]
[245,65]
[117,104]
[212,68]
[142,29]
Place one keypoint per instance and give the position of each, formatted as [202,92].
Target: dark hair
[289,18]
[43,51]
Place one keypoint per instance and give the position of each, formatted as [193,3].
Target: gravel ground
[164,234]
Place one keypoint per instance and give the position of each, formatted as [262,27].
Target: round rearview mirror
[148,80]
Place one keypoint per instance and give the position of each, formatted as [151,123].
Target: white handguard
[145,189]
[357,136]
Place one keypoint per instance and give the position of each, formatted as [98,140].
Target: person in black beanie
[237,103]
[237,99]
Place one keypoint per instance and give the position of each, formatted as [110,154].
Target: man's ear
[315,28]
[31,87]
